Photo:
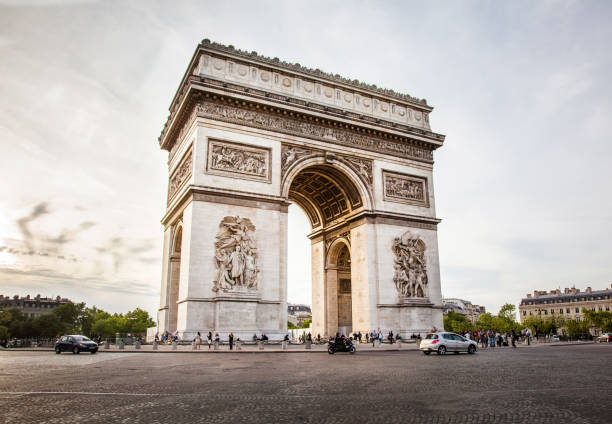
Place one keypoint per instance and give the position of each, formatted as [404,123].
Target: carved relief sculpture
[180,175]
[362,166]
[235,256]
[238,160]
[410,266]
[405,189]
[290,154]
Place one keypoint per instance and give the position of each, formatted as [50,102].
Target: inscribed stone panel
[405,188]
[238,161]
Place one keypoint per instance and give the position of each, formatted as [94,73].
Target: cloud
[68,235]
[51,276]
[23,223]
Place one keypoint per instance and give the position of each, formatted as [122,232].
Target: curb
[204,352]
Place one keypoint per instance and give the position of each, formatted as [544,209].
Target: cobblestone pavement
[555,384]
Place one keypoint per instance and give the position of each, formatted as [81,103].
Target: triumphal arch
[247,136]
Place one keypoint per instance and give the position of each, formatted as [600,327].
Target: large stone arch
[246,137]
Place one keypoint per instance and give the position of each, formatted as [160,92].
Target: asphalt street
[549,384]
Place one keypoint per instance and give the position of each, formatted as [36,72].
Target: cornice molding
[194,83]
[269,118]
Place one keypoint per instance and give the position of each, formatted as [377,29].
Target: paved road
[557,384]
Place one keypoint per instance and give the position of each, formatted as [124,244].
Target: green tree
[290,325]
[138,321]
[48,325]
[486,321]
[4,333]
[71,315]
[457,323]
[601,320]
[306,323]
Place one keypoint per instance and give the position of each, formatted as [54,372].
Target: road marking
[81,393]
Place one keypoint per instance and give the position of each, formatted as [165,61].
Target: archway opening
[329,198]
[175,278]
[299,284]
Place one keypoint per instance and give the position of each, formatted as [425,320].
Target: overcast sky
[521,89]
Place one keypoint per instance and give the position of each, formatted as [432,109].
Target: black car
[75,344]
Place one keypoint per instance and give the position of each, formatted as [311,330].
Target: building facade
[567,304]
[249,135]
[463,307]
[31,307]
[297,314]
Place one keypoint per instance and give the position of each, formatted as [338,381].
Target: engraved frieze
[405,189]
[268,121]
[238,160]
[180,175]
[410,266]
[235,256]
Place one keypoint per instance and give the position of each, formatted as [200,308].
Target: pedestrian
[231,340]
[374,338]
[513,338]
[197,340]
[359,336]
[528,336]
[380,337]
[367,337]
[209,339]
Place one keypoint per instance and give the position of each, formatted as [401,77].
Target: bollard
[399,344]
[137,345]
[121,345]
[284,345]
[238,345]
[154,344]
[261,346]
[216,345]
[308,344]
[418,343]
[107,344]
[173,345]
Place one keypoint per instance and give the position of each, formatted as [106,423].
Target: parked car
[605,338]
[75,344]
[443,342]
[555,338]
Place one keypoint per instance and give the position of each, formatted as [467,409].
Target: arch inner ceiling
[325,194]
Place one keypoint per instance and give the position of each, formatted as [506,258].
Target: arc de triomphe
[247,136]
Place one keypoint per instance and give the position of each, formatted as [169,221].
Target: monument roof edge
[207,44]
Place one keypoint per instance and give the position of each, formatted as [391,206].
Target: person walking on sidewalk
[231,341]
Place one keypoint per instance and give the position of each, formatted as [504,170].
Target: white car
[443,342]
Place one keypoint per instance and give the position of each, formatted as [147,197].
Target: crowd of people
[491,339]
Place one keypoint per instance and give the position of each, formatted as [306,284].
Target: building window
[577,310]
[545,311]
[561,310]
[530,313]
[552,311]
[607,308]
[567,311]
[524,313]
[593,308]
[600,309]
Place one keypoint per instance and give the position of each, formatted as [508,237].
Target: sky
[520,89]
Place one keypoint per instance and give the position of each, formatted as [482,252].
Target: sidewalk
[250,348]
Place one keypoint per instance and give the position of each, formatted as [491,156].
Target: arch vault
[247,136]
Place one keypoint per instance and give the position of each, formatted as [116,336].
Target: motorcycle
[342,345]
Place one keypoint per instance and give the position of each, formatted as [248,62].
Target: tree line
[505,322]
[72,318]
